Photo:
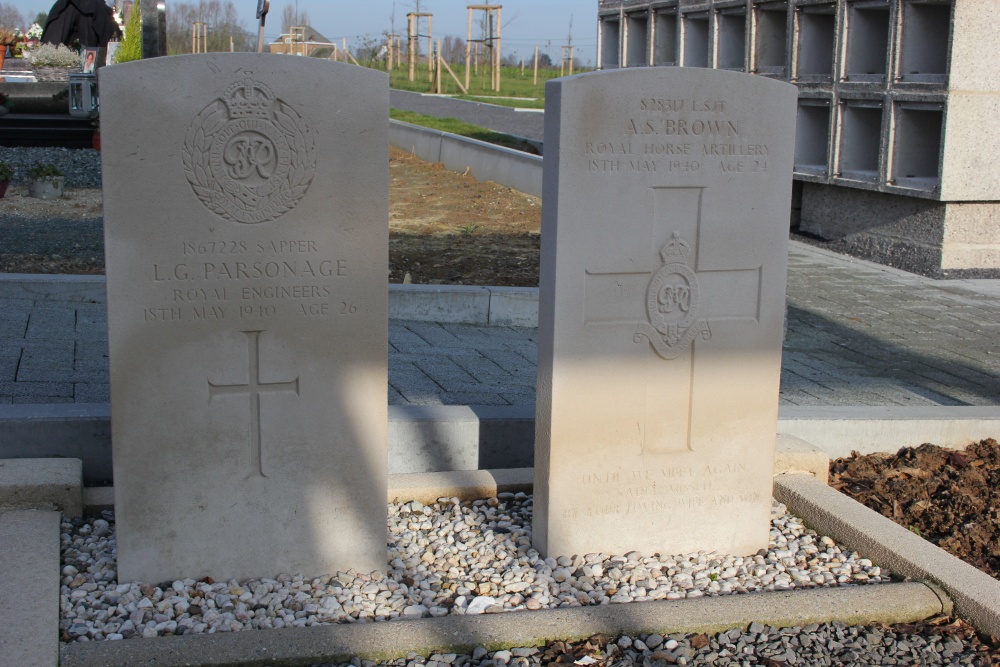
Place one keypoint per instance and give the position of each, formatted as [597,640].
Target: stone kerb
[247,314]
[661,304]
[486,162]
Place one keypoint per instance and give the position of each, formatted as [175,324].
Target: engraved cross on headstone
[253,388]
[669,305]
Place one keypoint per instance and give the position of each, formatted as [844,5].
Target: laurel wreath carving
[220,196]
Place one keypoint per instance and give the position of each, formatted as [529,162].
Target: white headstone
[246,230]
[664,247]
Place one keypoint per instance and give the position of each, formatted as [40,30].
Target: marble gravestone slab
[246,232]
[664,248]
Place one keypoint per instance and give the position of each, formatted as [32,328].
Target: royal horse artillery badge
[672,303]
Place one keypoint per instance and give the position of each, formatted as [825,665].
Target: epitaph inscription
[248,155]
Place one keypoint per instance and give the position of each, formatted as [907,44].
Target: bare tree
[291,16]
[10,17]
[223,23]
[453,49]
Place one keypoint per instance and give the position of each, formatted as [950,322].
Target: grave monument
[245,214]
[664,249]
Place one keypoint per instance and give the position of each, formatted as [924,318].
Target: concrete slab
[51,484]
[461,484]
[466,304]
[514,306]
[433,438]
[29,588]
[887,603]
[52,287]
[794,455]
[976,595]
[839,430]
[425,438]
[74,430]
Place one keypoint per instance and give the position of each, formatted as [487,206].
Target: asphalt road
[529,124]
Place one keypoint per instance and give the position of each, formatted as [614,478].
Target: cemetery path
[527,124]
[858,333]
[932,491]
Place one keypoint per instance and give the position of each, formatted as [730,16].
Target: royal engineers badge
[672,303]
[248,156]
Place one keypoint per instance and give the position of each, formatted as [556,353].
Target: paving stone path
[858,334]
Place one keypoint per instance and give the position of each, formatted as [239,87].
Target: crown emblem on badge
[672,303]
[675,250]
[249,99]
[248,155]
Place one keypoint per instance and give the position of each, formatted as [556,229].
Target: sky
[525,23]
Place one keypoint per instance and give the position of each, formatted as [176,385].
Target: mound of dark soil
[951,498]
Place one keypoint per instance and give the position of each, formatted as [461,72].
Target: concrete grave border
[886,603]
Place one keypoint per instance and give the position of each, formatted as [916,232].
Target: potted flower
[34,34]
[53,63]
[6,171]
[45,181]
[6,38]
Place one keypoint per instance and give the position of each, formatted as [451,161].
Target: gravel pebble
[448,558]
[82,166]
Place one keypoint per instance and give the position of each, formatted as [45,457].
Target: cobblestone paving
[858,334]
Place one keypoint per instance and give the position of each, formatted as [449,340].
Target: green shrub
[6,171]
[44,170]
[131,48]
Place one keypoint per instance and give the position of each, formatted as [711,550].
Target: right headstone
[664,249]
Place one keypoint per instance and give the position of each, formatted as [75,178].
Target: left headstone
[246,233]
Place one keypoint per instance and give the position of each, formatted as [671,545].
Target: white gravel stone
[449,558]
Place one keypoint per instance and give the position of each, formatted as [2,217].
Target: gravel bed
[449,558]
[82,166]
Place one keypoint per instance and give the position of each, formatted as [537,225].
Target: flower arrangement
[47,55]
[34,32]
